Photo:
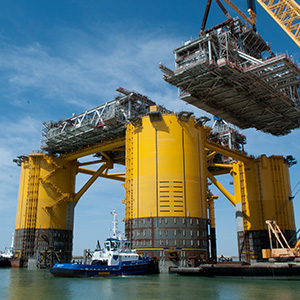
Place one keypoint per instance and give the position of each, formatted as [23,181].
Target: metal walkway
[102,123]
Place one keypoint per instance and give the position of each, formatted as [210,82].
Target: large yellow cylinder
[269,193]
[165,205]
[166,169]
[45,211]
[263,186]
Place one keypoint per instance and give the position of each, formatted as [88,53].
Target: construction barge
[282,262]
[263,270]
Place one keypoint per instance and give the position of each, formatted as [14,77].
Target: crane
[285,12]
[227,72]
[283,248]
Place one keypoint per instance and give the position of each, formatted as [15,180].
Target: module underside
[221,74]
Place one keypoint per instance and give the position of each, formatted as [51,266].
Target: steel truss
[226,72]
[102,123]
[287,14]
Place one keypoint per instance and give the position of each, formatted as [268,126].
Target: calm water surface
[23,284]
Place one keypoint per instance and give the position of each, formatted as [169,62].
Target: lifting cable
[296,191]
[296,185]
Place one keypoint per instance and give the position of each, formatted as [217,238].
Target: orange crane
[285,12]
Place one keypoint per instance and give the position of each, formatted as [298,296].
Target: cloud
[84,70]
[89,71]
[18,136]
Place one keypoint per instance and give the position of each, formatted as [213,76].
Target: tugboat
[7,255]
[4,261]
[117,258]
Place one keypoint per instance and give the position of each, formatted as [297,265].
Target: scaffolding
[96,125]
[228,136]
[230,72]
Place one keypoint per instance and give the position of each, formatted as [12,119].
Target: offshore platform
[171,159]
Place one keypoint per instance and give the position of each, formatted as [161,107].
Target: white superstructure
[116,249]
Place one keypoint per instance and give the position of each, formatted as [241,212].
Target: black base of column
[175,239]
[257,240]
[43,245]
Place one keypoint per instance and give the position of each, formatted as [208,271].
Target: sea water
[23,284]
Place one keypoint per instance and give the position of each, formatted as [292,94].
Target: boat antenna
[12,240]
[115,224]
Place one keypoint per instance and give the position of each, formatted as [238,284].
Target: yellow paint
[262,186]
[232,198]
[268,188]
[17,254]
[166,176]
[192,249]
[286,14]
[165,169]
[46,193]
[211,208]
[103,146]
[153,108]
[226,151]
[104,273]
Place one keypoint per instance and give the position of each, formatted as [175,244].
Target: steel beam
[110,145]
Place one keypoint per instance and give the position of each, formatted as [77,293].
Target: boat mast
[12,240]
[115,224]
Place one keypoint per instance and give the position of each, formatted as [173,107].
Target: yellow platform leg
[262,186]
[45,211]
[165,205]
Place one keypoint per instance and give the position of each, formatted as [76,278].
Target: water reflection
[36,285]
[257,289]
[23,284]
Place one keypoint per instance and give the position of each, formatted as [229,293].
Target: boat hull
[4,262]
[87,270]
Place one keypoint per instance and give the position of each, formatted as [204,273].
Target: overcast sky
[64,57]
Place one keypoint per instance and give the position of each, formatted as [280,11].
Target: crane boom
[287,14]
[284,250]
[251,20]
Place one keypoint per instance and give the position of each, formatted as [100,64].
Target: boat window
[107,245]
[115,245]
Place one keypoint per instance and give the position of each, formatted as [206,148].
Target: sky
[67,56]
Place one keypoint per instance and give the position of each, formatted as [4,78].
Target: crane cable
[284,204]
[297,190]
